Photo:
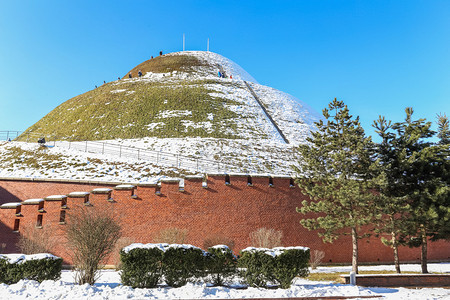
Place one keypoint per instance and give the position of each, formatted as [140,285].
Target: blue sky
[377,56]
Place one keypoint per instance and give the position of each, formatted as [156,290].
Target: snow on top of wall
[37,200]
[55,197]
[11,205]
[79,194]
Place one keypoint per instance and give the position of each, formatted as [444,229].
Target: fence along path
[156,157]
[266,112]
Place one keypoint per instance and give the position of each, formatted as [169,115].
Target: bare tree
[266,238]
[115,255]
[91,236]
[36,240]
[171,236]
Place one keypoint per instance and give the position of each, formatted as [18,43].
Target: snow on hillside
[214,59]
[257,147]
[294,117]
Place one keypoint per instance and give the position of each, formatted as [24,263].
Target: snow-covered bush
[262,266]
[221,264]
[289,263]
[183,264]
[39,267]
[256,267]
[141,265]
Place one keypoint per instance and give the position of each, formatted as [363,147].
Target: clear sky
[377,56]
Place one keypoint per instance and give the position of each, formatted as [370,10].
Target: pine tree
[416,187]
[335,168]
[443,129]
[393,207]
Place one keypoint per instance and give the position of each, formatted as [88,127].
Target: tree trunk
[395,248]
[424,256]
[355,250]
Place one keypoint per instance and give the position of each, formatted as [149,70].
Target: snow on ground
[108,287]
[112,163]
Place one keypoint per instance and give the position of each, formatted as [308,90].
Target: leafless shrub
[266,238]
[316,258]
[36,240]
[171,236]
[121,243]
[2,247]
[91,236]
[218,239]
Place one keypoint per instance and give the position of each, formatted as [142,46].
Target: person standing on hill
[140,73]
[220,74]
[129,75]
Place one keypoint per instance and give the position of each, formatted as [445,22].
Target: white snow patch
[118,91]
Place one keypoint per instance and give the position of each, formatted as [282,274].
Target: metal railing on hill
[155,157]
[6,135]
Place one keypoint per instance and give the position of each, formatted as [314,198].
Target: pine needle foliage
[415,190]
[336,175]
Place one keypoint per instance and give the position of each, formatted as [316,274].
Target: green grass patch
[336,277]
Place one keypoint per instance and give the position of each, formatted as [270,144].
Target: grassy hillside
[166,64]
[135,109]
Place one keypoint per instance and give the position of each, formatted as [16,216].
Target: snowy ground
[117,160]
[109,287]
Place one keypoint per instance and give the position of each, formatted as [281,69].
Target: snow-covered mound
[180,106]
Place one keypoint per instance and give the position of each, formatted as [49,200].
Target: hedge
[221,264]
[261,266]
[183,264]
[145,265]
[39,267]
[141,267]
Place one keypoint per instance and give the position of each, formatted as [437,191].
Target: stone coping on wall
[101,191]
[32,201]
[78,194]
[10,205]
[194,177]
[55,198]
[170,180]
[401,280]
[124,187]
[143,184]
[147,184]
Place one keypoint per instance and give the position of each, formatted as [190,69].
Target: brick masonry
[233,210]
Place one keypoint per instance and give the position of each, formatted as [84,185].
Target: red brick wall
[232,210]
